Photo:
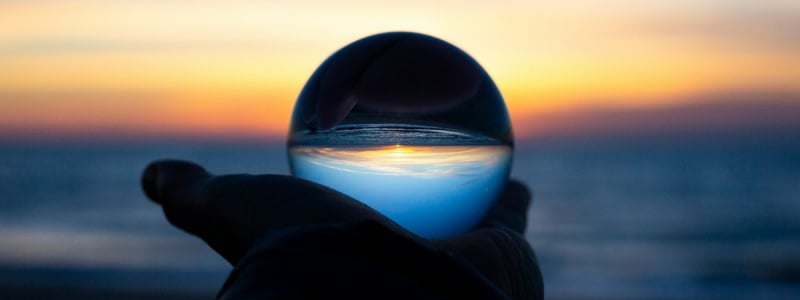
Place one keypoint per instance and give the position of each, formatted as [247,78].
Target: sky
[139,69]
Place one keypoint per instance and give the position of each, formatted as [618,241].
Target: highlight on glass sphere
[409,125]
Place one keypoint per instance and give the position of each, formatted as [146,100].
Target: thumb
[182,190]
[173,184]
[162,178]
[231,212]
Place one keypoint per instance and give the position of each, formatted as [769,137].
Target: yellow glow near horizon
[204,67]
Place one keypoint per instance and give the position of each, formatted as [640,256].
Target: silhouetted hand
[236,214]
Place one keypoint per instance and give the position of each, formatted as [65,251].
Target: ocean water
[705,218]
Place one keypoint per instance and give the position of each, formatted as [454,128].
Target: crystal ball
[409,125]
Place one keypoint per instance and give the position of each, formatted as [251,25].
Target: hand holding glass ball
[409,125]
[404,123]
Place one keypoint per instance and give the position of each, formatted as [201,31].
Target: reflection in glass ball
[409,125]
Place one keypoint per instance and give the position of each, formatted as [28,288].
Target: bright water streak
[434,191]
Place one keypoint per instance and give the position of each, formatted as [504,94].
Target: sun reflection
[405,160]
[399,151]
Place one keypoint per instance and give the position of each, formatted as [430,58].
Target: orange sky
[144,68]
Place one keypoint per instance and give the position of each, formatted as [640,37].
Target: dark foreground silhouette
[291,238]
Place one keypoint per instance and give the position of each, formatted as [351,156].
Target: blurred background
[661,138]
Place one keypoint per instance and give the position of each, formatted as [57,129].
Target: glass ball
[409,125]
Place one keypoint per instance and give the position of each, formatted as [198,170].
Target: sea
[668,217]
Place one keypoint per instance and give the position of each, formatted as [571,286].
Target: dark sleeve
[359,260]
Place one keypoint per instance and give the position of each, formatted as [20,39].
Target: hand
[232,213]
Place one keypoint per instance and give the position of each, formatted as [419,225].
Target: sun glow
[154,67]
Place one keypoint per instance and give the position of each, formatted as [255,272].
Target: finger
[502,256]
[510,209]
[178,187]
[174,185]
[162,179]
[497,248]
[516,196]
[231,212]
